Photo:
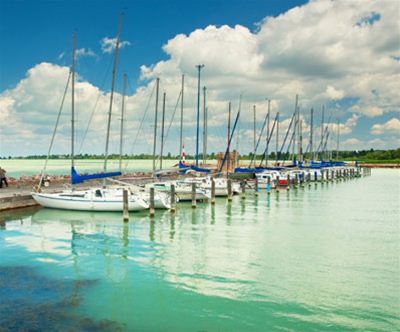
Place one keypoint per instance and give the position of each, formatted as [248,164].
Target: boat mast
[296,125]
[311,133]
[112,91]
[254,128]
[277,137]
[338,136]
[155,124]
[301,142]
[121,138]
[73,102]
[228,142]
[268,116]
[322,128]
[204,126]
[162,131]
[299,156]
[199,67]
[180,139]
[238,134]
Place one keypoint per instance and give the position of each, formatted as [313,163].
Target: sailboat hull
[58,201]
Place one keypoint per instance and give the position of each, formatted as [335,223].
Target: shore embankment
[388,165]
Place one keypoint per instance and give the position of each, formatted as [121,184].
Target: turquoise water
[319,258]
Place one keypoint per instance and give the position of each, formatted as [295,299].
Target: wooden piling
[229,190]
[152,207]
[212,191]
[173,198]
[125,214]
[243,189]
[193,195]
[277,184]
[296,180]
[268,185]
[256,186]
[288,181]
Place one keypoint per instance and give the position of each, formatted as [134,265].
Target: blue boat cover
[186,168]
[76,178]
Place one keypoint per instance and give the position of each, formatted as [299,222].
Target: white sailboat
[221,185]
[96,199]
[183,191]
[93,199]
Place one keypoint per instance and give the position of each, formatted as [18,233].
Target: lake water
[324,258]
[28,167]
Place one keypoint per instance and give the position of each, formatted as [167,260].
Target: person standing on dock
[3,177]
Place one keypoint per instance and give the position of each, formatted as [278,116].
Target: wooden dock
[14,198]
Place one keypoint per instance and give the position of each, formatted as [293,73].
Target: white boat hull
[57,201]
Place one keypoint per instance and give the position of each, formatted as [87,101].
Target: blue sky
[340,54]
[36,31]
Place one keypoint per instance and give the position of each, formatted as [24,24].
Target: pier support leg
[173,198]
[243,189]
[256,189]
[193,195]
[212,191]
[277,184]
[125,214]
[152,209]
[229,190]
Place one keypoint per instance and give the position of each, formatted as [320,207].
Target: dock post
[125,214]
[256,186]
[332,175]
[193,195]
[152,209]
[243,187]
[212,191]
[229,190]
[296,180]
[268,185]
[277,184]
[173,198]
[288,181]
[309,179]
[315,177]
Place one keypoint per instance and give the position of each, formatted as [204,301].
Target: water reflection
[172,226]
[284,256]
[212,219]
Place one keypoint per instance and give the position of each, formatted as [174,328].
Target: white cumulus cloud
[108,44]
[393,125]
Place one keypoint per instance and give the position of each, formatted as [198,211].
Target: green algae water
[322,258]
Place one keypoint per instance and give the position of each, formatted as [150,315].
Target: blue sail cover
[76,178]
[186,168]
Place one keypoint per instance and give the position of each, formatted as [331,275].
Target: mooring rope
[140,126]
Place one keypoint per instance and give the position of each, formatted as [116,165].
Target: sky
[342,55]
